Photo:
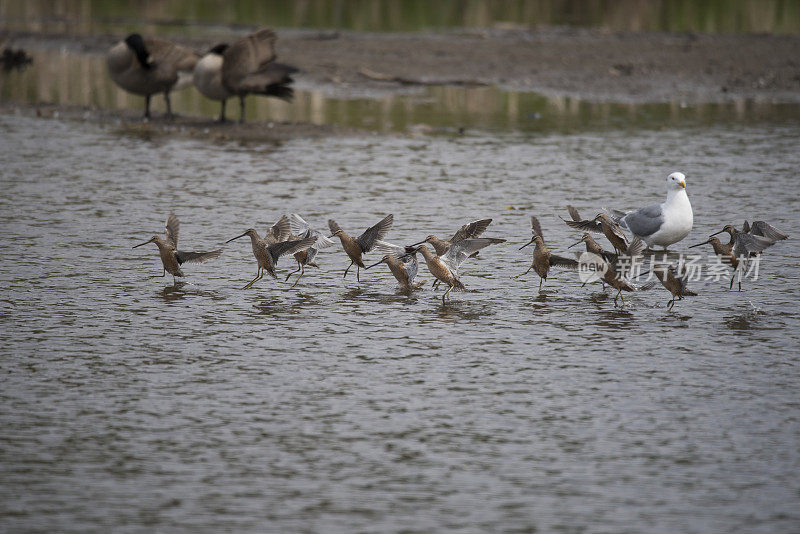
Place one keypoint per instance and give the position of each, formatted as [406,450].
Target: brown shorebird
[675,281]
[602,223]
[402,262]
[725,252]
[301,229]
[617,272]
[171,257]
[543,259]
[246,67]
[355,247]
[741,246]
[149,66]
[267,254]
[763,234]
[469,230]
[472,229]
[445,267]
[764,229]
[594,248]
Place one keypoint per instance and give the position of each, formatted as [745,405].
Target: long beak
[420,243]
[578,243]
[373,265]
[701,244]
[528,243]
[237,237]
[715,233]
[140,244]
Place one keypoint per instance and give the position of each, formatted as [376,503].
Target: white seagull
[661,224]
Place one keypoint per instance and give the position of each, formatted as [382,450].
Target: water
[129,403]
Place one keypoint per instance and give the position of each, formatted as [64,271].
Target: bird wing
[473,229]
[458,252]
[746,244]
[298,224]
[171,229]
[196,257]
[561,261]
[322,241]
[764,229]
[636,247]
[280,231]
[411,266]
[536,228]
[168,58]
[644,221]
[367,240]
[617,215]
[268,79]
[584,225]
[385,247]
[276,250]
[247,56]
[574,213]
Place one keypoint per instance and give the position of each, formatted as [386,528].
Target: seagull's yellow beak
[682,184]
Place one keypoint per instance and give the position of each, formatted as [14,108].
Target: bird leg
[169,106]
[258,277]
[241,109]
[299,267]
[147,106]
[541,281]
[358,271]
[222,110]
[523,274]
[446,292]
[670,304]
[348,268]
[302,272]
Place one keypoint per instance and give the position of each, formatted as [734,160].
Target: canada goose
[148,66]
[247,66]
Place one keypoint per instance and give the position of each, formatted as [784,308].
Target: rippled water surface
[132,404]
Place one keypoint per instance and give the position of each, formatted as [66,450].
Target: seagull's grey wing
[171,229]
[374,233]
[280,231]
[746,244]
[560,261]
[276,250]
[574,213]
[384,247]
[536,228]
[297,224]
[584,225]
[764,229]
[473,229]
[196,257]
[644,221]
[458,252]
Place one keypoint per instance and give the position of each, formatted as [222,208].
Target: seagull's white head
[676,181]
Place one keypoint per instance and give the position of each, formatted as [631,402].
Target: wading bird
[402,262]
[301,229]
[246,67]
[148,66]
[171,257]
[736,253]
[445,267]
[356,247]
[602,223]
[267,254]
[662,224]
[674,279]
[543,259]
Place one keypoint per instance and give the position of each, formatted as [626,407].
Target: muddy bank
[588,64]
[131,123]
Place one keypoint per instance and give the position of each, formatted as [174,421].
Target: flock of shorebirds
[656,225]
[148,66]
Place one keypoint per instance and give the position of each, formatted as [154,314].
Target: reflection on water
[68,78]
[115,16]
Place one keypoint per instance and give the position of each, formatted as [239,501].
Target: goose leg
[222,110]
[241,108]
[302,272]
[147,106]
[169,105]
